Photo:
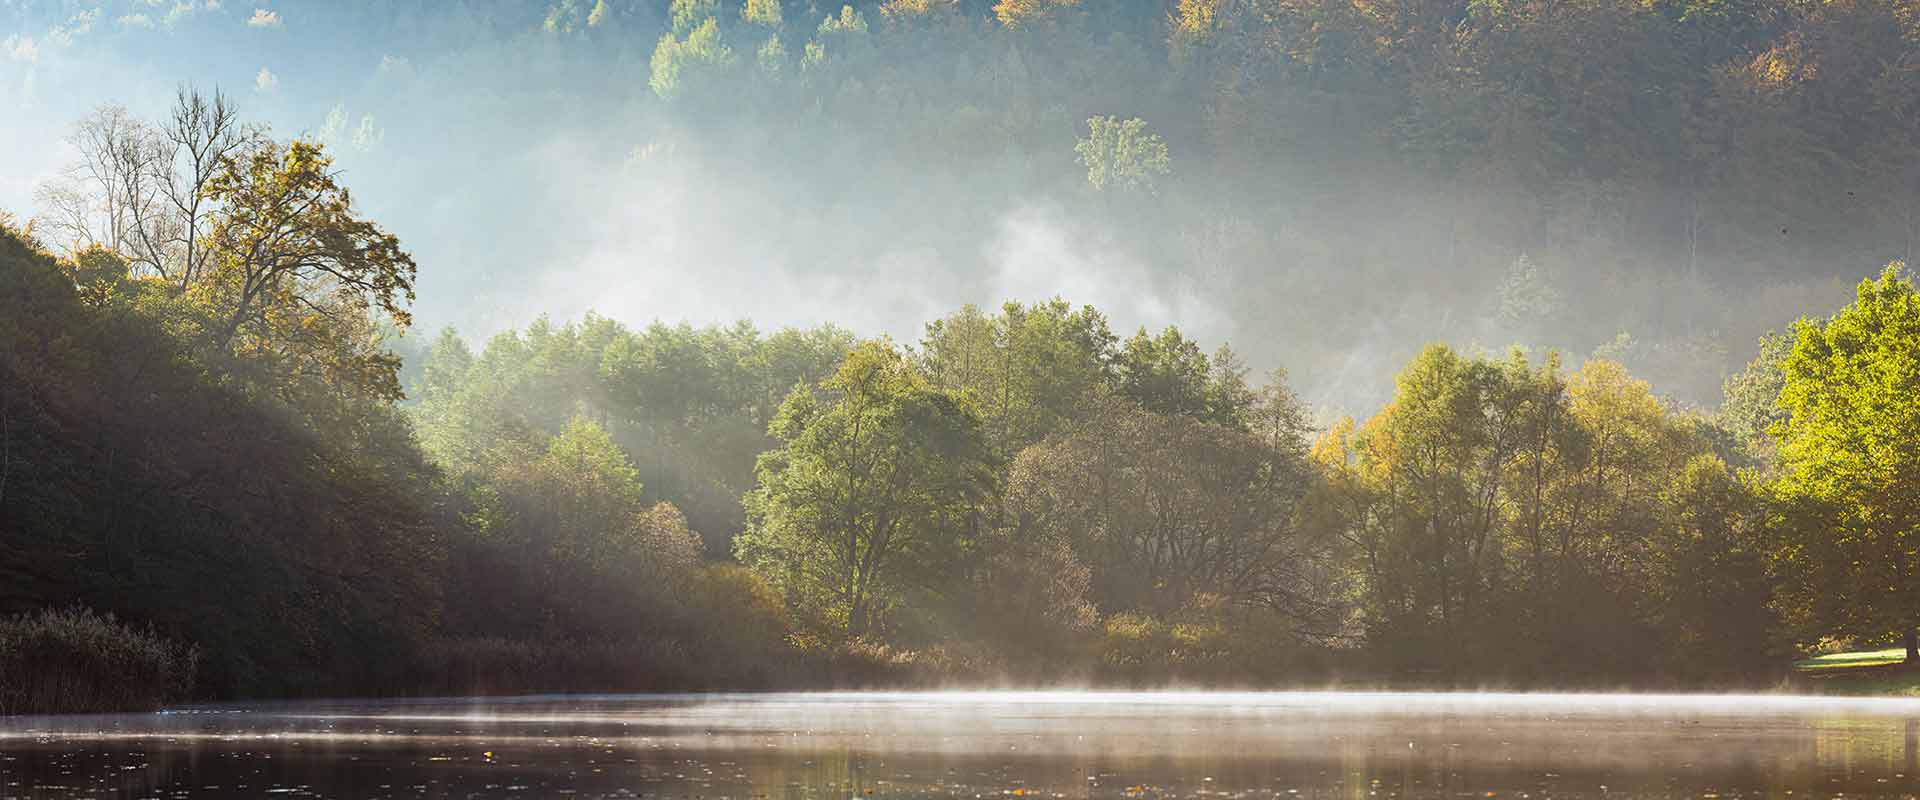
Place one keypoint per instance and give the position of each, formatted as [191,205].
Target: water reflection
[980,745]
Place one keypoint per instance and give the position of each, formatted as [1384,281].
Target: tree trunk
[857,615]
[1913,648]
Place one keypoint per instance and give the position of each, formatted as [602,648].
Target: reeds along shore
[72,661]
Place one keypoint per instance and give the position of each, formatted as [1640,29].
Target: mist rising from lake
[985,744]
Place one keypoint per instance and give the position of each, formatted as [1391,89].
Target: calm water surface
[984,745]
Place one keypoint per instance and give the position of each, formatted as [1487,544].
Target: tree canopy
[1849,466]
[873,492]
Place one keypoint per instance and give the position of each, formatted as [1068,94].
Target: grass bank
[1859,672]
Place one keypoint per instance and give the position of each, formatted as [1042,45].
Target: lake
[984,745]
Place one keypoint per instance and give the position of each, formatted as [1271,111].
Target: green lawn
[1862,672]
[1861,658]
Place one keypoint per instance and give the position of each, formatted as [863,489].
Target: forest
[232,467]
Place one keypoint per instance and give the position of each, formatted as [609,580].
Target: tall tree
[1435,458]
[565,543]
[1752,395]
[875,487]
[295,277]
[1848,449]
[1164,509]
[679,62]
[1029,369]
[1169,374]
[1122,155]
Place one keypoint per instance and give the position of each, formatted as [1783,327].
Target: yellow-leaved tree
[296,284]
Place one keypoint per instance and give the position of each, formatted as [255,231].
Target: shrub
[870,663]
[1829,645]
[76,661]
[738,624]
[1135,649]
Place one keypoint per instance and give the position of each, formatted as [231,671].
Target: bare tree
[88,205]
[203,132]
[141,190]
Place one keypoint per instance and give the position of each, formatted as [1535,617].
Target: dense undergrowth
[77,661]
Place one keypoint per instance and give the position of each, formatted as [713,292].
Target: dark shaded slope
[133,481]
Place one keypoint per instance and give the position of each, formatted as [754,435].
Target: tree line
[1022,494]
[213,423]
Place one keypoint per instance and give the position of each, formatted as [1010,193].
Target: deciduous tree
[876,485]
[1850,460]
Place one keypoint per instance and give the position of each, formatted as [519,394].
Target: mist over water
[986,744]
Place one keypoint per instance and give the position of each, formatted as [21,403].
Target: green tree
[850,21]
[677,62]
[1498,504]
[1169,374]
[1122,155]
[838,39]
[1164,509]
[772,56]
[1850,448]
[1018,14]
[1712,592]
[567,16]
[689,406]
[1751,396]
[252,244]
[688,15]
[761,12]
[1434,459]
[571,544]
[1029,370]
[875,487]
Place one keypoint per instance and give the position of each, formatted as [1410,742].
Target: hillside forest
[221,433]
